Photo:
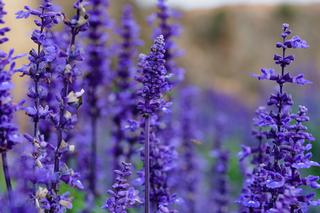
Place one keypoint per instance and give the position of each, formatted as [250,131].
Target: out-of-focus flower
[169,30]
[124,104]
[220,187]
[9,135]
[96,78]
[188,166]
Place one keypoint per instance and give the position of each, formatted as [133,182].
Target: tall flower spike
[39,59]
[157,157]
[98,67]
[152,74]
[122,195]
[9,135]
[38,165]
[123,105]
[69,100]
[276,183]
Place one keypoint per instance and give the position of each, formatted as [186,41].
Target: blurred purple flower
[9,135]
[186,133]
[124,104]
[96,76]
[166,27]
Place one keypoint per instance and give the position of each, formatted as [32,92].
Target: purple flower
[38,69]
[3,30]
[23,14]
[158,157]
[154,79]
[44,161]
[266,74]
[18,204]
[8,130]
[122,196]
[244,153]
[299,79]
[69,100]
[162,162]
[270,74]
[297,42]
[46,17]
[276,183]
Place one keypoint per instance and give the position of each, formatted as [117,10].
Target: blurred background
[224,42]
[229,39]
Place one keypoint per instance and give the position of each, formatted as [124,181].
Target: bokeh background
[224,42]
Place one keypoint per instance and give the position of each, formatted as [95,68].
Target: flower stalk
[6,174]
[276,184]
[70,101]
[147,164]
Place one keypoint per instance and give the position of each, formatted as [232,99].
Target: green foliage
[235,174]
[2,181]
[99,203]
[217,26]
[217,30]
[78,197]
[285,12]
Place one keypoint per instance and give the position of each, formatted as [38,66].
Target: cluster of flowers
[85,92]
[70,68]
[276,182]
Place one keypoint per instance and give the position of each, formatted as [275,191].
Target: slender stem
[92,98]
[56,160]
[260,151]
[35,78]
[279,125]
[6,174]
[60,134]
[36,84]
[118,137]
[147,164]
[36,103]
[251,210]
[93,154]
